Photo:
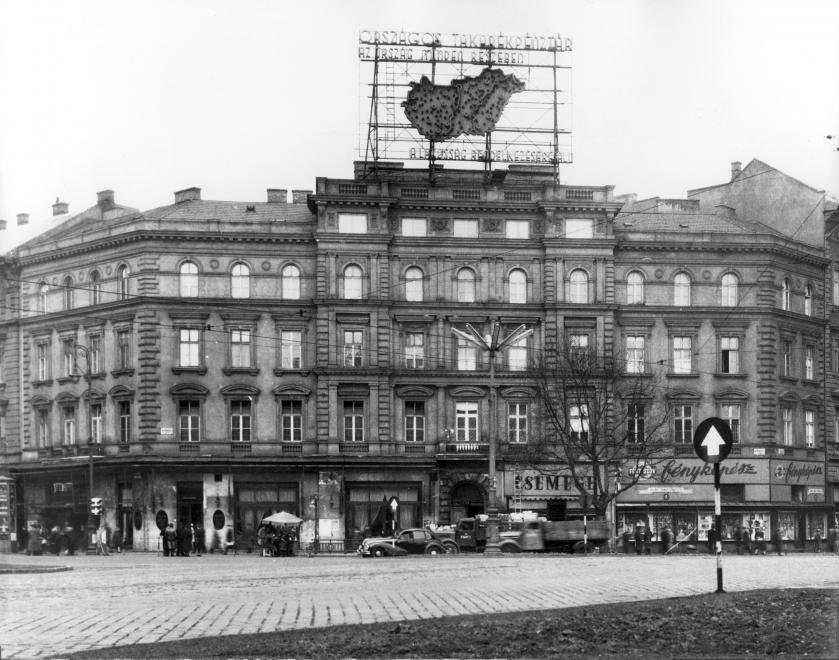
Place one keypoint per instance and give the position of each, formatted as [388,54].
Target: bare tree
[602,423]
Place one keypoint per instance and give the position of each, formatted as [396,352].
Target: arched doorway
[467,501]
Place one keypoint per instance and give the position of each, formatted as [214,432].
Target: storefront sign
[797,473]
[533,483]
[696,471]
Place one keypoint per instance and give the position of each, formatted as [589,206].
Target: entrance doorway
[190,503]
[467,502]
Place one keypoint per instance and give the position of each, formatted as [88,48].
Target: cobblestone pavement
[140,597]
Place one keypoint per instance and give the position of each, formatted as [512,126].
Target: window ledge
[810,381]
[251,371]
[723,374]
[354,447]
[116,373]
[692,374]
[190,370]
[282,371]
[63,380]
[788,379]
[42,383]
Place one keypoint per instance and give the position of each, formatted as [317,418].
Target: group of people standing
[279,542]
[183,540]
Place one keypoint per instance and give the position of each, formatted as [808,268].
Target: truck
[535,535]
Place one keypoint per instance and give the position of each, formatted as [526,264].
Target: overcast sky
[150,97]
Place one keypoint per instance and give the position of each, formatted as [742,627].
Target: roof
[200,209]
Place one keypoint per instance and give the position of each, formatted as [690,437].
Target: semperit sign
[471,97]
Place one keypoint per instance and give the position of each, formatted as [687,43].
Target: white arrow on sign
[712,442]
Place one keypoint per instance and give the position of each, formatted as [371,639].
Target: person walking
[712,540]
[186,540]
[639,539]
[746,534]
[832,541]
[648,540]
[35,542]
[626,537]
[760,542]
[198,539]
[817,540]
[779,540]
[738,539]
[169,540]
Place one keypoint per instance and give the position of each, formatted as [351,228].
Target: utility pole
[93,519]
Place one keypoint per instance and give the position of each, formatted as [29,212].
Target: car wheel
[583,548]
[433,550]
[450,549]
[377,552]
[510,547]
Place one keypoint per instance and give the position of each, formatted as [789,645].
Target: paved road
[140,597]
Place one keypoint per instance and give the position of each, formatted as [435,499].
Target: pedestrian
[169,540]
[186,540]
[779,540]
[639,539]
[648,540]
[116,540]
[35,542]
[69,541]
[712,540]
[626,537]
[832,540]
[666,539]
[746,535]
[817,540]
[738,539]
[102,541]
[760,542]
[198,539]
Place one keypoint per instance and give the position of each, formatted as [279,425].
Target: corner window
[413,284]
[728,290]
[352,282]
[518,286]
[578,286]
[290,276]
[635,288]
[465,285]
[240,281]
[352,223]
[188,280]
[414,227]
[681,290]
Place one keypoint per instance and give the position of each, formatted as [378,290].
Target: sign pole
[718,527]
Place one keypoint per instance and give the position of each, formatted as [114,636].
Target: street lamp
[491,343]
[92,522]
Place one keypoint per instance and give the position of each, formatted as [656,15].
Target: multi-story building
[217,361]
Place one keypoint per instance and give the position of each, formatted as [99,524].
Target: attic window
[250,208]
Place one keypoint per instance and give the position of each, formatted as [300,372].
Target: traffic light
[96,506]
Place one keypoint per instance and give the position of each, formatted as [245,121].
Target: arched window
[808,300]
[465,285]
[95,288]
[413,284]
[68,292]
[785,294]
[188,281]
[122,281]
[681,290]
[578,286]
[635,288]
[518,286]
[240,281]
[291,282]
[728,290]
[352,282]
[43,291]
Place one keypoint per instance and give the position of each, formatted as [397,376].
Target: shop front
[548,492]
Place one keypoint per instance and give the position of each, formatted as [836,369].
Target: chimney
[736,168]
[60,208]
[277,195]
[105,199]
[187,195]
[299,196]
[22,219]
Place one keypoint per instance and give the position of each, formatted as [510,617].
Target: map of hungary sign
[712,440]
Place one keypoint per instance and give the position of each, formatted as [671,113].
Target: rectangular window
[68,420]
[352,223]
[467,354]
[517,355]
[94,354]
[240,348]
[683,425]
[729,355]
[786,358]
[124,421]
[353,421]
[291,353]
[466,421]
[123,349]
[786,426]
[682,355]
[43,367]
[414,227]
[731,414]
[578,347]
[68,347]
[96,423]
[189,347]
[579,228]
[415,421]
[579,422]
[42,423]
[517,228]
[189,420]
[836,288]
[517,423]
[291,420]
[414,350]
[240,420]
[635,354]
[352,348]
[466,229]
[809,362]
[635,433]
[810,428]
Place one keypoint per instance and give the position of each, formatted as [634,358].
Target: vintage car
[415,541]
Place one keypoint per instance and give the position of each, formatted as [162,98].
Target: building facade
[215,361]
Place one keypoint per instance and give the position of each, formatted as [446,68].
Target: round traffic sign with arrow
[712,440]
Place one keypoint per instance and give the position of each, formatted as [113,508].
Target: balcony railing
[453,447]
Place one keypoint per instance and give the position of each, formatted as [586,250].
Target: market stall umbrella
[282,518]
